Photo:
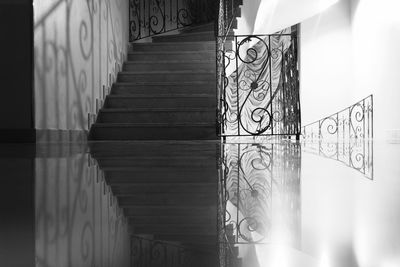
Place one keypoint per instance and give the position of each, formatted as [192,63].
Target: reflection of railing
[356,154]
[252,179]
[354,122]
[225,233]
[152,17]
[258,85]
[152,253]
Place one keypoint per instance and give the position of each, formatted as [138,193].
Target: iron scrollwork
[151,17]
[258,85]
[345,136]
[352,123]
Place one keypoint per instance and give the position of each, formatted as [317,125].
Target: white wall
[347,53]
[326,79]
[246,21]
[276,15]
[270,16]
[376,42]
[77,44]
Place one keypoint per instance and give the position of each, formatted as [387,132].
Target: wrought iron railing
[227,12]
[152,17]
[353,122]
[345,136]
[258,84]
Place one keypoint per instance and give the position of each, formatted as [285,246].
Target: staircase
[166,91]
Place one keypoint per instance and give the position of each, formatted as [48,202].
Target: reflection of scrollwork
[356,154]
[251,225]
[253,175]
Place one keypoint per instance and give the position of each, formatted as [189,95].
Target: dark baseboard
[17,135]
[61,136]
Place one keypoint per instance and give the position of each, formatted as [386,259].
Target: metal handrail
[149,18]
[338,112]
[354,121]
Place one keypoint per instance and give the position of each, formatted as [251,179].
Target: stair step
[177,220]
[156,115]
[152,149]
[209,27]
[154,162]
[150,88]
[174,46]
[171,65]
[166,76]
[186,37]
[186,199]
[170,55]
[170,188]
[179,211]
[165,101]
[190,239]
[153,131]
[168,229]
[158,174]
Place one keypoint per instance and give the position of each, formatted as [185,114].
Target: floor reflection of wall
[17,237]
[78,221]
[262,193]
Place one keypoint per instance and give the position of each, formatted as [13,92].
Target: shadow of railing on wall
[80,47]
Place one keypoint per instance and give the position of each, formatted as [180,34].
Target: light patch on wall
[276,15]
[375,37]
[325,260]
[385,10]
[324,4]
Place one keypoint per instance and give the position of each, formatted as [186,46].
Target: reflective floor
[237,203]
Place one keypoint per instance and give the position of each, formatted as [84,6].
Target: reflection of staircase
[168,191]
[165,91]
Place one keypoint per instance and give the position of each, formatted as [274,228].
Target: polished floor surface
[237,203]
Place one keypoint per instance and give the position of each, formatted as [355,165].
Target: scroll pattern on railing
[258,85]
[345,136]
[260,190]
[152,17]
[354,122]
